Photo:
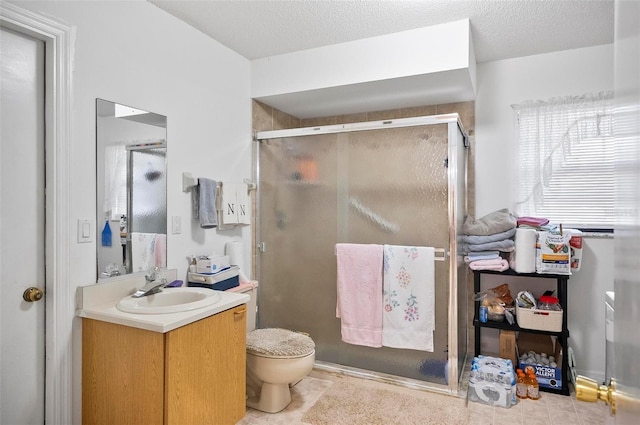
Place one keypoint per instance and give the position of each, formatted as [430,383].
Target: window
[566,160]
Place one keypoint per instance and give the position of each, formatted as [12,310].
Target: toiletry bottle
[106,234]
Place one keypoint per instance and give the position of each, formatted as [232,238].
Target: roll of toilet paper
[525,252]
[235,251]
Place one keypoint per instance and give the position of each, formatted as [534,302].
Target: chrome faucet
[153,286]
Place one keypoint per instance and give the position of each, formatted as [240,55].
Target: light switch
[176,225]
[85,230]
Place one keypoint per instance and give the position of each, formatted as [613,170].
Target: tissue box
[220,281]
[548,377]
[212,264]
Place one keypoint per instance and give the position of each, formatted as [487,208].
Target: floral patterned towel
[408,297]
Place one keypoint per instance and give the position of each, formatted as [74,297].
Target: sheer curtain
[115,181]
[565,166]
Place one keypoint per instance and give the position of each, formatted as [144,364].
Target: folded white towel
[408,296]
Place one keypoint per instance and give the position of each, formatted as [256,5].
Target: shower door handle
[262,247]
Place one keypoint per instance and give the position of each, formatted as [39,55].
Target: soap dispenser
[106,234]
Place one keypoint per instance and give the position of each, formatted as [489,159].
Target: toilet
[277,359]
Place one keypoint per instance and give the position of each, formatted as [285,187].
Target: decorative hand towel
[409,308]
[244,206]
[207,203]
[359,293]
[227,207]
[143,247]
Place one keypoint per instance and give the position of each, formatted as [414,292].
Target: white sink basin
[170,300]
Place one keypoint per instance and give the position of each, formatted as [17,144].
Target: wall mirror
[131,168]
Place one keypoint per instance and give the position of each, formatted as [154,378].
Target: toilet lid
[279,342]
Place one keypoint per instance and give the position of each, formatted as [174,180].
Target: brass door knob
[32,294]
[587,389]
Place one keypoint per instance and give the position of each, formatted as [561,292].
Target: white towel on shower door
[408,297]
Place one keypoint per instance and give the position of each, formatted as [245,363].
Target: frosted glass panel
[148,191]
[386,186]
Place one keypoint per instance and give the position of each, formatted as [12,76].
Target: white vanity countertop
[99,302]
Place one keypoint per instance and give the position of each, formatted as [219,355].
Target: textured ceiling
[500,29]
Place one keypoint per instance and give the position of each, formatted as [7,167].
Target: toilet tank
[250,288]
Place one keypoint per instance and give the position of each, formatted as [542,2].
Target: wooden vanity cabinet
[194,374]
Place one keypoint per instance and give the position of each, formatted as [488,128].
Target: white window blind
[566,160]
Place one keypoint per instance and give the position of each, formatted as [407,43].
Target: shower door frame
[454,126]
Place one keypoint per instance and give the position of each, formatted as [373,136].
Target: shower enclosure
[398,182]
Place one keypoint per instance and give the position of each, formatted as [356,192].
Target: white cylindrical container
[235,251]
[525,252]
[576,249]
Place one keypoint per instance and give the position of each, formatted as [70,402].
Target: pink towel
[359,303]
[532,221]
[498,265]
[160,250]
[251,284]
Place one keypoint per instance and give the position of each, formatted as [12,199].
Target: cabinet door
[206,370]
[122,374]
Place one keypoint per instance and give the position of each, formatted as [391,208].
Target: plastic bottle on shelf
[549,303]
[533,388]
[521,385]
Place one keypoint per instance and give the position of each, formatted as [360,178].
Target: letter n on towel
[359,303]
[408,317]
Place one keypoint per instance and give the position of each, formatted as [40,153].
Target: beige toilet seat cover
[279,342]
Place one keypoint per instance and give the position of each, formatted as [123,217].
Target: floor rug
[344,403]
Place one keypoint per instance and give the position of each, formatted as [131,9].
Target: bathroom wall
[136,54]
[511,81]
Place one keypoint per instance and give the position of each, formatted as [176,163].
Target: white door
[627,238]
[22,229]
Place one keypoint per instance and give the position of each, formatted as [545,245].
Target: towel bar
[441,251]
[188,181]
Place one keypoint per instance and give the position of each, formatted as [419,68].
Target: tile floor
[550,409]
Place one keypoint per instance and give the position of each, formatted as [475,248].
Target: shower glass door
[384,186]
